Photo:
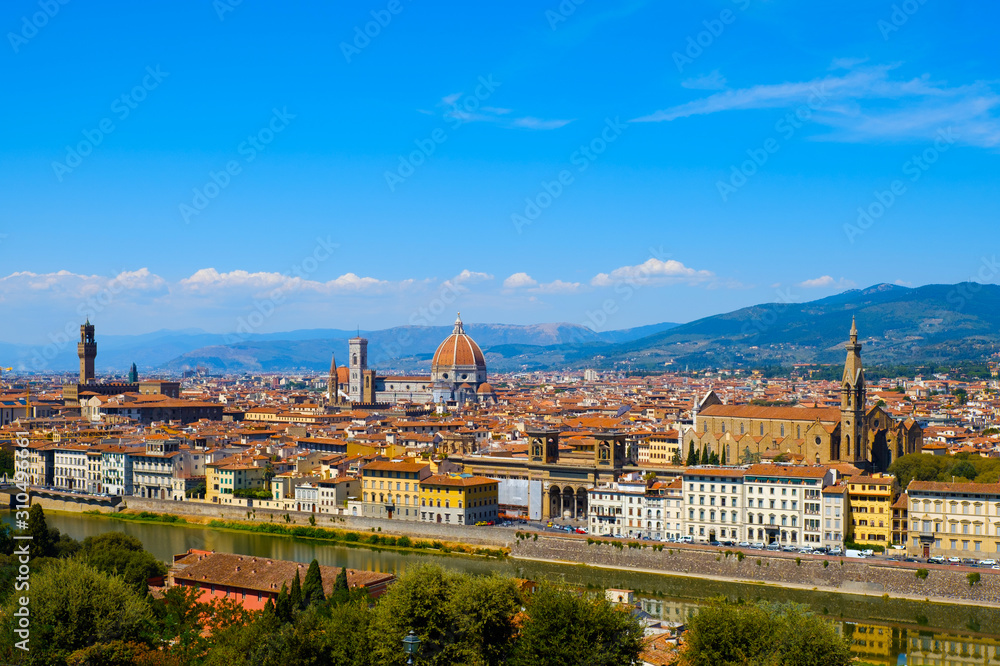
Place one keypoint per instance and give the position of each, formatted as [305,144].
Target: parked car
[757,545]
[714,543]
[836,550]
[868,552]
[935,560]
[581,530]
[687,538]
[954,560]
[743,544]
[789,549]
[807,550]
[969,562]
[774,546]
[987,563]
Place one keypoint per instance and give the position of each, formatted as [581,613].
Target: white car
[868,552]
[743,544]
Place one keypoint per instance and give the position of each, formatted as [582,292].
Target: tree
[705,459]
[295,594]
[312,588]
[283,607]
[6,462]
[692,458]
[713,459]
[964,468]
[340,592]
[676,460]
[484,608]
[73,606]
[120,554]
[564,629]
[961,395]
[41,540]
[730,634]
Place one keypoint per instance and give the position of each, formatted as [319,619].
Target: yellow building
[223,477]
[392,489]
[869,501]
[459,499]
[954,519]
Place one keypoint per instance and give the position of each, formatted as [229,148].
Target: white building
[617,508]
[713,498]
[70,468]
[783,503]
[834,515]
[116,470]
[306,497]
[154,472]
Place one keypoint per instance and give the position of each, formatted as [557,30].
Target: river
[882,630]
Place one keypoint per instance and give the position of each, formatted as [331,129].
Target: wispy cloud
[711,81]
[456,110]
[867,103]
[524,282]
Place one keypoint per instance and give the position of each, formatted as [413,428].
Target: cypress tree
[340,591]
[295,595]
[283,609]
[312,588]
[704,455]
[41,539]
[692,456]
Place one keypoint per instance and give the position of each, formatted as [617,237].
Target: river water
[882,630]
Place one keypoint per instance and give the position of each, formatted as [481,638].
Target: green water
[884,631]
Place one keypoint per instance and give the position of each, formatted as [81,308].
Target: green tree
[72,607]
[692,458]
[964,469]
[295,594]
[6,539]
[120,554]
[41,540]
[484,608]
[961,395]
[312,588]
[283,607]
[6,462]
[705,458]
[731,634]
[565,629]
[340,592]
[676,459]
[713,459]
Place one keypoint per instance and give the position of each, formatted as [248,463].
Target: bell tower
[358,364]
[854,438]
[87,351]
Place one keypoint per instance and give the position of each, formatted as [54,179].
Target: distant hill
[897,325]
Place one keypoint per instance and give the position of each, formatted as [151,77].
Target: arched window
[782,429]
[741,427]
[761,429]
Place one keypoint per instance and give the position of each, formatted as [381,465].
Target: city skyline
[657,157]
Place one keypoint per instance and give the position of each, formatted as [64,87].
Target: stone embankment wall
[8,498]
[840,574]
[479,536]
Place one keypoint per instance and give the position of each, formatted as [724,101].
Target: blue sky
[213,165]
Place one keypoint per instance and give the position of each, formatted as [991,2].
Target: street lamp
[410,646]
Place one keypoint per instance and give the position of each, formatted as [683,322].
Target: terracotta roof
[458,349]
[445,480]
[258,573]
[799,471]
[960,487]
[776,413]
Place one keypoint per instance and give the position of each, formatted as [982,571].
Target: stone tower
[853,435]
[358,351]
[87,351]
[332,395]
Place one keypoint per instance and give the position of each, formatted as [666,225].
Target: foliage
[692,458]
[973,578]
[312,588]
[724,633]
[566,629]
[41,542]
[74,606]
[197,491]
[963,466]
[252,493]
[6,462]
[120,554]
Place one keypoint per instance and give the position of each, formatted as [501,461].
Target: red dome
[458,349]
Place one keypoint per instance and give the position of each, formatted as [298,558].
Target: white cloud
[210,280]
[519,280]
[711,81]
[68,284]
[456,109]
[539,124]
[471,277]
[652,271]
[557,287]
[827,281]
[866,103]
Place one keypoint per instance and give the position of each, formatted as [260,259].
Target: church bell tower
[854,439]
[87,351]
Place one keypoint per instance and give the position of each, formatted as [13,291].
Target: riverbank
[342,537]
[947,585]
[872,578]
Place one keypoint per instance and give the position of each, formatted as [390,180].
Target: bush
[922,574]
[973,578]
[740,556]
[826,563]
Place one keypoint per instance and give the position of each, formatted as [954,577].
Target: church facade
[458,375]
[869,438]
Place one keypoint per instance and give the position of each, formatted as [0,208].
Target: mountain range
[932,323]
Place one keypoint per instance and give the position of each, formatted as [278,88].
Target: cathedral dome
[458,350]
